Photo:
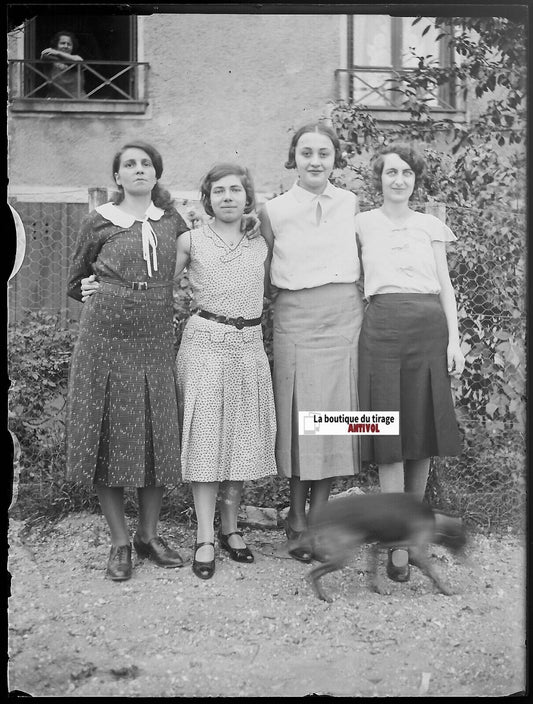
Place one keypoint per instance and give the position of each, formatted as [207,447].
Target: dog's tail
[450,532]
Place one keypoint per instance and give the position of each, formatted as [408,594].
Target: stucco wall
[220,87]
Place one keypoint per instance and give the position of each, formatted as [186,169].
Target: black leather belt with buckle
[136,285]
[239,323]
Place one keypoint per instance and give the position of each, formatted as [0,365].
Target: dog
[383,520]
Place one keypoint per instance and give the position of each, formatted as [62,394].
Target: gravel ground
[257,630]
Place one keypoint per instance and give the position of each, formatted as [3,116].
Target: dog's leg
[334,547]
[373,569]
[318,572]
[419,558]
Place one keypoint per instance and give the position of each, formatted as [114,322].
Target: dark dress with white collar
[122,413]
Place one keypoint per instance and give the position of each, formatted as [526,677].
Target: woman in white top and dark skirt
[409,343]
[317,318]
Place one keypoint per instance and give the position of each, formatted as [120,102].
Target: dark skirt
[403,367]
[122,412]
[316,333]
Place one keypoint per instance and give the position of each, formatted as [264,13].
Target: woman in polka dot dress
[122,414]
[226,401]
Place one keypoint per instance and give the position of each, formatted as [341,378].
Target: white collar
[301,194]
[118,217]
[111,212]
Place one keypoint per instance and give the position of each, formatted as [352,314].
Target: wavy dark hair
[160,196]
[221,170]
[406,151]
[64,33]
[320,128]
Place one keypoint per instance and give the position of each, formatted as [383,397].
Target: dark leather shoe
[297,549]
[398,565]
[204,570]
[119,563]
[237,554]
[158,551]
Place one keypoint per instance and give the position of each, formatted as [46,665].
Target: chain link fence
[488,271]
[486,485]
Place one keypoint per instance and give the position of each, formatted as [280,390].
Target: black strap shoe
[204,570]
[237,554]
[119,563]
[158,551]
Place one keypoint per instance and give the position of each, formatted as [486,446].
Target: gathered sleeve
[439,231]
[88,245]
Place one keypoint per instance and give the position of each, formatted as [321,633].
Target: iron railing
[95,80]
[379,88]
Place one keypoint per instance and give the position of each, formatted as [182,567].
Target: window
[112,78]
[379,54]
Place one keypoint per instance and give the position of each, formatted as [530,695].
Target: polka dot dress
[226,403]
[122,411]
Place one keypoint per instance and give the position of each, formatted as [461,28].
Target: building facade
[202,87]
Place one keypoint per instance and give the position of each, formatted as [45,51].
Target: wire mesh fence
[40,284]
[487,267]
[486,484]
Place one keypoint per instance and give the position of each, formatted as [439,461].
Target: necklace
[230,245]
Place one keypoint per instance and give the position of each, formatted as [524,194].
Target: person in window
[409,343]
[122,408]
[67,79]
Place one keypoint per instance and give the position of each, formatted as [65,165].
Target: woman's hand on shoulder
[89,286]
[250,225]
[456,360]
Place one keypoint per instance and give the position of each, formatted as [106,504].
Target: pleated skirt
[122,410]
[316,333]
[403,367]
[226,403]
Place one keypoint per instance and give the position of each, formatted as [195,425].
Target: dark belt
[239,323]
[136,285]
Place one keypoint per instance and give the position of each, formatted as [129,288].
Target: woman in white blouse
[409,343]
[317,319]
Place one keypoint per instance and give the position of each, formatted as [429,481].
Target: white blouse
[400,259]
[314,238]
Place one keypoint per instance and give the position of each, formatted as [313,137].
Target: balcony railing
[376,88]
[91,86]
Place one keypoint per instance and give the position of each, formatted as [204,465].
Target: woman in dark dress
[122,417]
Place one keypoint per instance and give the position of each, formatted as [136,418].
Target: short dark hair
[64,33]
[219,171]
[160,196]
[320,128]
[406,151]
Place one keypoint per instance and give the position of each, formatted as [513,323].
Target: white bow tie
[149,239]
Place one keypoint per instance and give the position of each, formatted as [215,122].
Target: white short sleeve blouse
[400,259]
